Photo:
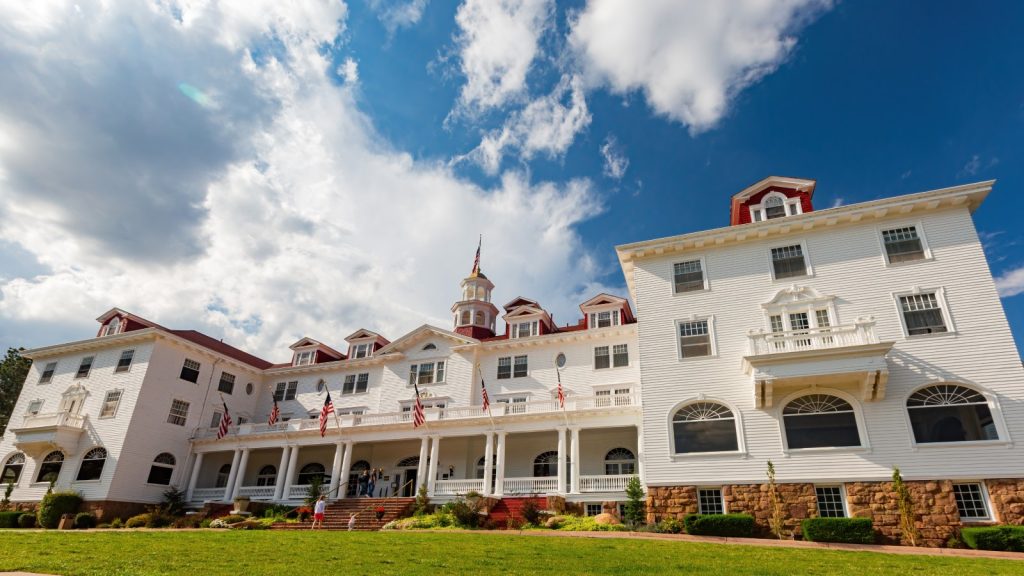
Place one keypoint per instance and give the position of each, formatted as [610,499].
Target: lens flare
[196,95]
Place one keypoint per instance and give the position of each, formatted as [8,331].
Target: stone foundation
[1007,500]
[107,510]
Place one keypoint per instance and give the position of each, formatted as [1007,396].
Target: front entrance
[353,477]
[409,483]
[407,472]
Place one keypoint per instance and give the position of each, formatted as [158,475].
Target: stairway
[338,512]
[511,507]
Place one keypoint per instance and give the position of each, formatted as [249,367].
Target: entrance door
[409,483]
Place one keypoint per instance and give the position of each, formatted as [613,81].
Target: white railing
[616,483]
[541,485]
[454,487]
[298,491]
[204,494]
[257,492]
[52,419]
[862,332]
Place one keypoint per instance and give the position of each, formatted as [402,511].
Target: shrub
[464,514]
[9,519]
[277,511]
[85,520]
[303,513]
[422,501]
[205,523]
[1008,538]
[186,522]
[117,523]
[905,503]
[635,507]
[138,521]
[572,523]
[530,512]
[740,525]
[849,530]
[56,504]
[315,490]
[669,526]
[233,518]
[777,520]
[174,501]
[27,520]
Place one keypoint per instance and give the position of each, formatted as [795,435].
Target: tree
[906,507]
[635,509]
[777,521]
[13,371]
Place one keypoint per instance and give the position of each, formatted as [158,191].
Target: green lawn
[211,553]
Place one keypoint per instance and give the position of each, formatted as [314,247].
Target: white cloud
[688,57]
[286,213]
[1011,283]
[349,71]
[615,160]
[548,124]
[395,15]
[496,44]
[837,202]
[975,165]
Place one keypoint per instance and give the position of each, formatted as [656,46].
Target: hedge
[1008,538]
[741,525]
[9,519]
[849,530]
[27,520]
[54,505]
[85,520]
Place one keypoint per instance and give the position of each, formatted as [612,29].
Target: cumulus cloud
[1011,282]
[615,160]
[349,71]
[689,57]
[277,214]
[395,15]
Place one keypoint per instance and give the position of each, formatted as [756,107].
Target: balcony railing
[204,494]
[298,491]
[541,485]
[53,419]
[456,487]
[612,483]
[257,492]
[862,332]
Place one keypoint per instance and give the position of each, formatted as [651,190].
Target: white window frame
[39,408]
[703,270]
[117,403]
[361,350]
[611,356]
[721,495]
[46,368]
[842,499]
[614,317]
[230,379]
[993,406]
[741,443]
[534,325]
[513,402]
[355,384]
[170,412]
[304,357]
[434,378]
[918,227]
[808,266]
[131,361]
[858,415]
[78,372]
[985,499]
[283,388]
[787,202]
[710,319]
[940,297]
[198,369]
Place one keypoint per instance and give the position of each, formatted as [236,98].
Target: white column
[336,470]
[196,466]
[488,464]
[434,457]
[289,479]
[346,467]
[499,480]
[561,460]
[575,457]
[640,455]
[421,470]
[282,473]
[240,476]
[229,489]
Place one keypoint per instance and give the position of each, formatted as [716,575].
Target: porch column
[289,479]
[196,466]
[488,464]
[575,457]
[640,456]
[346,467]
[282,473]
[561,459]
[432,473]
[421,469]
[336,470]
[499,480]
[229,489]
[240,476]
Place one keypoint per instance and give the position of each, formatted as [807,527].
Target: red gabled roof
[221,348]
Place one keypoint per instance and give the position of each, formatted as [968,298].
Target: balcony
[39,432]
[846,356]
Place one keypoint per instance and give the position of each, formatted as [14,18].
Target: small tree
[6,502]
[635,507]
[316,484]
[422,501]
[777,520]
[906,507]
[174,501]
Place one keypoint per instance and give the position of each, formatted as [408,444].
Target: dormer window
[525,329]
[304,358]
[604,319]
[360,350]
[112,327]
[775,205]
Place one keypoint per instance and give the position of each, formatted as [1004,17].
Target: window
[34,407]
[310,471]
[788,262]
[112,327]
[50,467]
[519,368]
[504,368]
[84,368]
[950,413]
[320,385]
[601,358]
[360,350]
[464,318]
[594,509]
[227,383]
[12,469]
[922,314]
[285,391]
[709,501]
[426,373]
[688,276]
[903,245]
[223,473]
[560,360]
[356,383]
[524,329]
[125,361]
[48,371]
[267,476]
[215,419]
[545,465]
[704,427]
[818,421]
[304,358]
[971,501]
[830,501]
[604,319]
[161,470]
[92,464]
[774,207]
[618,358]
[619,461]
[190,371]
[248,389]
[110,403]
[694,339]
[430,346]
[179,413]
[620,355]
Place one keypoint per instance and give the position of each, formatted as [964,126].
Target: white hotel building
[836,343]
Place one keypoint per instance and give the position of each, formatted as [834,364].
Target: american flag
[275,413]
[418,418]
[327,410]
[487,400]
[561,394]
[476,261]
[225,423]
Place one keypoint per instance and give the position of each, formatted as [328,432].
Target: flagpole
[482,384]
[336,419]
[558,374]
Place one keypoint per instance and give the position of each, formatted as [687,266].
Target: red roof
[221,348]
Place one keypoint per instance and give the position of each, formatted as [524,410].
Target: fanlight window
[222,476]
[267,476]
[12,469]
[950,413]
[49,470]
[819,421]
[410,462]
[545,464]
[92,464]
[162,469]
[310,471]
[619,461]
[704,427]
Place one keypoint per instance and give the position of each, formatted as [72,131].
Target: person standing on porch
[371,483]
[318,512]
[364,480]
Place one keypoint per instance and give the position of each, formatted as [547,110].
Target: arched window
[92,464]
[774,207]
[222,476]
[619,461]
[360,466]
[113,326]
[410,462]
[479,320]
[545,465]
[430,346]
[704,427]
[310,471]
[465,318]
[49,470]
[480,468]
[12,469]
[818,421]
[267,476]
[162,469]
[950,413]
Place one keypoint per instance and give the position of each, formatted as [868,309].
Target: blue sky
[336,162]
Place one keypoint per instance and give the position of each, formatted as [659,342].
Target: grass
[213,553]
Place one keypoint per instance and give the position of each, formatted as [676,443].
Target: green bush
[531,512]
[56,504]
[669,526]
[1007,538]
[205,522]
[85,520]
[739,525]
[138,521]
[117,523]
[233,518]
[849,530]
[27,520]
[572,523]
[9,519]
[464,514]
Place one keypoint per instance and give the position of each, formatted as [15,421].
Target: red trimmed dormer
[117,321]
[307,351]
[773,197]
[605,310]
[363,343]
[525,318]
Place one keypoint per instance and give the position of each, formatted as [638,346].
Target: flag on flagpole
[476,261]
[326,411]
[487,400]
[418,417]
[225,423]
[561,393]
[275,413]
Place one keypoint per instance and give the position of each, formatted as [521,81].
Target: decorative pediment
[75,389]
[305,342]
[520,301]
[364,334]
[603,300]
[410,340]
[797,295]
[525,311]
[770,182]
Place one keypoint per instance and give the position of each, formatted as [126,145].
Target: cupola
[773,197]
[474,315]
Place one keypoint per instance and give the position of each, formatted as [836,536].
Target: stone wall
[1007,499]
[798,502]
[936,515]
[670,502]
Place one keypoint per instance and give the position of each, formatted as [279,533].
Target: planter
[241,504]
[380,514]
